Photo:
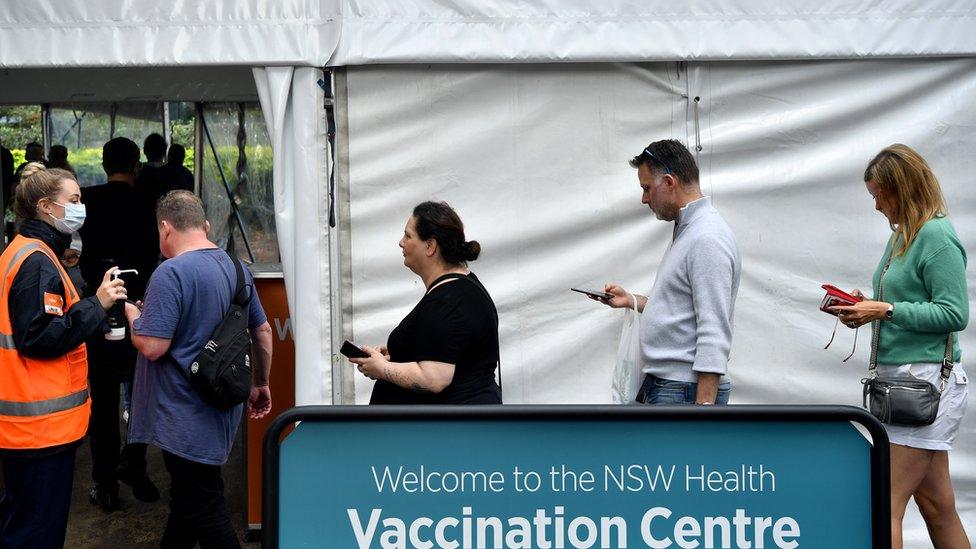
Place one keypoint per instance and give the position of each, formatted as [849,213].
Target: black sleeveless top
[455,323]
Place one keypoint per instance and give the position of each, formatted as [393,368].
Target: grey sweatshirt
[686,326]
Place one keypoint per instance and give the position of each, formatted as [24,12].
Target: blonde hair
[37,182]
[905,178]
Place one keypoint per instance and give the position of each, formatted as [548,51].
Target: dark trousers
[106,438]
[197,509]
[36,499]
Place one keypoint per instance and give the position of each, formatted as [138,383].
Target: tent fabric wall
[94,33]
[445,31]
[316,33]
[534,159]
[292,103]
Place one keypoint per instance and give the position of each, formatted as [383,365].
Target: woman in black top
[446,350]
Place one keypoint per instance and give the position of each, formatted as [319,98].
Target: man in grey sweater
[686,319]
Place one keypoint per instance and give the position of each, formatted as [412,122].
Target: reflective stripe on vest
[7,342]
[20,253]
[43,407]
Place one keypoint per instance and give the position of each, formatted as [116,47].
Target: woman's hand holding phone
[371,366]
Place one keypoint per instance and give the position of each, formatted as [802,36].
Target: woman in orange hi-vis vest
[44,402]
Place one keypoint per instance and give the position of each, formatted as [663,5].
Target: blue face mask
[74,217]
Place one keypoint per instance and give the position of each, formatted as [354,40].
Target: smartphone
[594,293]
[351,350]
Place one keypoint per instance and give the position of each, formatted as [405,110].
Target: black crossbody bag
[221,372]
[902,400]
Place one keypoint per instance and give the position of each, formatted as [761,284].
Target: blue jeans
[656,390]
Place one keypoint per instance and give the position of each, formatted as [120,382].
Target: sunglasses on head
[649,154]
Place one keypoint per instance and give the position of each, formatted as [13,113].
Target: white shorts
[952,405]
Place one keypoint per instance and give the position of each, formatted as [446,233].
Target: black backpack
[221,373]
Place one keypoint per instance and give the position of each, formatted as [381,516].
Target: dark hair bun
[439,221]
[472,250]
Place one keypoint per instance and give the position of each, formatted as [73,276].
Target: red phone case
[835,296]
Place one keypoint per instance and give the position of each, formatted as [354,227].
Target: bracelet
[704,403]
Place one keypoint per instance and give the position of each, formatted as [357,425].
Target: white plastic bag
[627,369]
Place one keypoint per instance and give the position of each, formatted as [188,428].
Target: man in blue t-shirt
[186,299]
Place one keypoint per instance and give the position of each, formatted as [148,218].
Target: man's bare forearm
[261,352]
[707,388]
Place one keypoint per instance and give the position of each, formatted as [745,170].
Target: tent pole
[46,128]
[197,149]
[111,118]
[167,127]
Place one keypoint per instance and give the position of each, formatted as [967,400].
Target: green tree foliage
[19,125]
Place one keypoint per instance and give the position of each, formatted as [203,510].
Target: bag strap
[946,364]
[876,325]
[876,336]
[241,298]
[477,284]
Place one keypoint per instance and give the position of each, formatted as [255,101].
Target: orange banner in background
[271,291]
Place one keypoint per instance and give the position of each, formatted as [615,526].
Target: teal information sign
[593,477]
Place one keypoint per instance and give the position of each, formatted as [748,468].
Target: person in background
[923,276]
[187,298]
[70,261]
[154,177]
[446,350]
[121,232]
[33,152]
[174,161]
[6,173]
[59,159]
[7,182]
[686,321]
[44,400]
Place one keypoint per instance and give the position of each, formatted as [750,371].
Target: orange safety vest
[43,402]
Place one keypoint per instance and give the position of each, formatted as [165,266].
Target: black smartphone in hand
[594,293]
[351,350]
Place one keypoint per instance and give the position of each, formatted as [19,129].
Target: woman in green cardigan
[925,300]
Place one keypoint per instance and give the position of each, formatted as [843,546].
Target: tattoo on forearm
[394,375]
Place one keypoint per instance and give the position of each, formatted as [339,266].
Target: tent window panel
[244,152]
[82,129]
[85,127]
[182,118]
[137,120]
[19,125]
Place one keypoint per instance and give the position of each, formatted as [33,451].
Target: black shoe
[106,499]
[143,489]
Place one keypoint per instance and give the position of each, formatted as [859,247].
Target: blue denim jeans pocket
[659,391]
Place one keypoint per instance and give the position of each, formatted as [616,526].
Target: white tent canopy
[525,123]
[316,33]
